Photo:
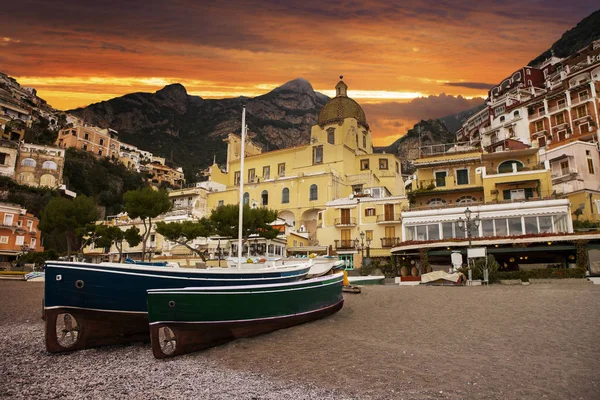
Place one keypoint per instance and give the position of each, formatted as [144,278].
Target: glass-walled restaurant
[489,227]
[513,232]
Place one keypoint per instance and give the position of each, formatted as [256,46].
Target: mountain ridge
[190,129]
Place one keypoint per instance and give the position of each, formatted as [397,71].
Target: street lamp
[469,224]
[361,245]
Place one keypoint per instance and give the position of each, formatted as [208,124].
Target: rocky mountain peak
[174,96]
[298,85]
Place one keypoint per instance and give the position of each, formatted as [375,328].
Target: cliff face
[431,132]
[189,130]
[573,40]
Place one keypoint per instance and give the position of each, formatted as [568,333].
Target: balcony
[564,172]
[558,107]
[345,221]
[538,114]
[390,241]
[344,244]
[388,218]
[580,100]
[582,118]
[559,127]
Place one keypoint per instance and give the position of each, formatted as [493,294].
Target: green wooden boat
[190,319]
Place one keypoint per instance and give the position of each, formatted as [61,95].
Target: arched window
[464,200]
[507,166]
[246,198]
[48,180]
[516,113]
[49,165]
[264,198]
[26,177]
[314,192]
[436,202]
[285,196]
[28,162]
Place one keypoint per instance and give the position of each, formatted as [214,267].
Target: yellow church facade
[303,183]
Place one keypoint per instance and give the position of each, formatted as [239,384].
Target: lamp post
[469,224]
[360,245]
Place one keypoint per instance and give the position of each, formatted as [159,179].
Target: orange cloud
[77,52]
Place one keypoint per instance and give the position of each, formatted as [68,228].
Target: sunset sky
[402,61]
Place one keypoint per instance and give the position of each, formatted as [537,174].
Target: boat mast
[241,211]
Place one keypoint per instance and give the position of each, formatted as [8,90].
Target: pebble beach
[497,342]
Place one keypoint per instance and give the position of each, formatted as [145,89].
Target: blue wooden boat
[90,305]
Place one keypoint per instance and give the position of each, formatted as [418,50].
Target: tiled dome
[340,108]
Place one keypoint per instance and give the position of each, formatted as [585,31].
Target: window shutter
[528,193]
[506,194]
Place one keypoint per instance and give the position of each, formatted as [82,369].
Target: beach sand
[497,342]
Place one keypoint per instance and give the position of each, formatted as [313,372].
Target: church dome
[341,107]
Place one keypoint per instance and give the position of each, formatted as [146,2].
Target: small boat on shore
[90,305]
[320,265]
[367,280]
[190,319]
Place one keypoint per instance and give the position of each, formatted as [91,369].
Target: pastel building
[553,106]
[510,193]
[9,152]
[576,174]
[40,165]
[19,233]
[302,183]
[101,142]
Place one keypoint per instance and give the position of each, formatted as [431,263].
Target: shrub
[547,273]
[479,266]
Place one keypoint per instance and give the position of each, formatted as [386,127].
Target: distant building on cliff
[39,165]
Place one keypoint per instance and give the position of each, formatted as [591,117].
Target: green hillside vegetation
[104,179]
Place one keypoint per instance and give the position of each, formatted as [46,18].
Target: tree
[106,236]
[68,217]
[146,203]
[185,232]
[224,220]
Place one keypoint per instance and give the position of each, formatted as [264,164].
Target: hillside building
[510,193]
[9,152]
[161,174]
[19,233]
[100,142]
[134,158]
[39,165]
[553,107]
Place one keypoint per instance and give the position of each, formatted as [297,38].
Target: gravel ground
[498,342]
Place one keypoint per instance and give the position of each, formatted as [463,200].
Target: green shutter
[528,193]
[506,194]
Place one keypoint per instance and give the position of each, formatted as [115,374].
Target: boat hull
[107,304]
[191,319]
[92,328]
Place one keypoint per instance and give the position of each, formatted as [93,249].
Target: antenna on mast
[420,143]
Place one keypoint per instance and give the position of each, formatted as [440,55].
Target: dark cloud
[389,121]
[421,108]
[471,85]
